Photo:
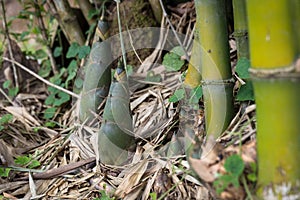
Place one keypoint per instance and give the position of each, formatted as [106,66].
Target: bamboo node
[218,82]
[284,72]
[240,33]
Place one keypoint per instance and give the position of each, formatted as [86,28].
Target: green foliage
[57,51]
[50,124]
[253,175]
[76,50]
[177,96]
[129,69]
[172,61]
[93,13]
[64,78]
[104,196]
[49,112]
[27,160]
[234,166]
[153,195]
[245,92]
[45,69]
[242,68]
[151,77]
[4,172]
[12,91]
[196,95]
[4,120]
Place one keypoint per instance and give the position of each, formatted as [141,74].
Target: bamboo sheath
[115,137]
[97,75]
[274,50]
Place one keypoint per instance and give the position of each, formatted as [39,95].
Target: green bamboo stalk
[193,77]
[241,28]
[68,22]
[277,94]
[97,74]
[214,58]
[115,137]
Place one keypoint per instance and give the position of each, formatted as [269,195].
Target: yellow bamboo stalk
[215,65]
[277,94]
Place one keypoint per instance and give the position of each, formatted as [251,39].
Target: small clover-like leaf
[78,82]
[152,77]
[57,51]
[196,94]
[22,160]
[242,68]
[45,69]
[234,165]
[177,96]
[6,84]
[49,113]
[63,97]
[246,92]
[83,51]
[40,54]
[4,172]
[34,163]
[178,51]
[50,124]
[172,62]
[6,118]
[73,50]
[13,91]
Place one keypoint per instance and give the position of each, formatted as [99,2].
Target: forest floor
[55,158]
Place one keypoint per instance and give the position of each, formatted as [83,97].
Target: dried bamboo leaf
[22,115]
[132,178]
